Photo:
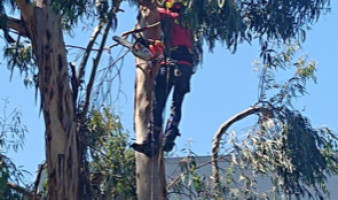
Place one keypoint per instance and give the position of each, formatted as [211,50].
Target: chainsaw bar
[123,42]
[139,49]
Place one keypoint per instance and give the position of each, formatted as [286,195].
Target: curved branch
[23,191]
[222,129]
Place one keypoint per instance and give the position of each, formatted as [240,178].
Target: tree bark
[62,148]
[150,175]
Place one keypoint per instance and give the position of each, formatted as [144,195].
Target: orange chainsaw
[149,50]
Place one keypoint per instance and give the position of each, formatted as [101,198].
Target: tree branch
[16,25]
[23,191]
[85,49]
[25,7]
[222,129]
[178,178]
[89,48]
[38,178]
[140,29]
[94,70]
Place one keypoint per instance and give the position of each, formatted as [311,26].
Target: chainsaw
[145,49]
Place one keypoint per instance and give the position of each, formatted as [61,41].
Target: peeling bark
[62,153]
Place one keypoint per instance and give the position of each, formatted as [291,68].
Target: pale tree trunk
[150,174]
[62,151]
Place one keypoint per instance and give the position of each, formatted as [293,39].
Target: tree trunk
[62,154]
[150,174]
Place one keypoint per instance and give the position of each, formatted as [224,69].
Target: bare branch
[78,47]
[140,29]
[115,61]
[222,129]
[16,25]
[85,49]
[24,191]
[94,70]
[89,48]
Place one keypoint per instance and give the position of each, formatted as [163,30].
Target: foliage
[112,164]
[230,22]
[74,10]
[282,148]
[20,56]
[234,21]
[296,158]
[12,133]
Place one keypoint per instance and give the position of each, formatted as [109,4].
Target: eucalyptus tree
[40,43]
[35,43]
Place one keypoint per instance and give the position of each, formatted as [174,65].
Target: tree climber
[175,73]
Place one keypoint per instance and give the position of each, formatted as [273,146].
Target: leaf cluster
[234,21]
[12,132]
[283,146]
[20,56]
[295,157]
[74,10]
[190,183]
[282,93]
[111,162]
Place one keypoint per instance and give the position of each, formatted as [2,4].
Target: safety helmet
[175,4]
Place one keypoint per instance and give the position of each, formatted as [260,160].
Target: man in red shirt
[174,74]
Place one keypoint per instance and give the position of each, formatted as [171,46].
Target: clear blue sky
[224,85]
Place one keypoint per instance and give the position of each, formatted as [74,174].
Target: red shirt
[179,36]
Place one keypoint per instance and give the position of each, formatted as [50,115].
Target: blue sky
[224,85]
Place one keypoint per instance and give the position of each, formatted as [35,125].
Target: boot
[147,147]
[169,138]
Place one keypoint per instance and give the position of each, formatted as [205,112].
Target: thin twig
[85,49]
[95,65]
[78,47]
[140,29]
[197,167]
[115,61]
[109,79]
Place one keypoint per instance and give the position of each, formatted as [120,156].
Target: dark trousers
[174,77]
